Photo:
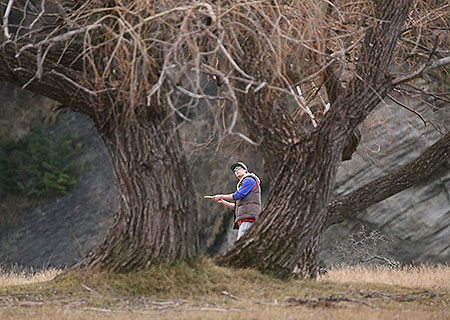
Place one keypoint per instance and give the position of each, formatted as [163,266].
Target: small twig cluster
[366,247]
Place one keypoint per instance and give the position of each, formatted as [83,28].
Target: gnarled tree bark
[156,221]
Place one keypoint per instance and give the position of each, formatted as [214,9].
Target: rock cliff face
[417,219]
[60,230]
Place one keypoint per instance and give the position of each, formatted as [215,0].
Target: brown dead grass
[16,276]
[423,276]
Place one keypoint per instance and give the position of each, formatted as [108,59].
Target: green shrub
[41,164]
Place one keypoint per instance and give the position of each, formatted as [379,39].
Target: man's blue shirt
[247,185]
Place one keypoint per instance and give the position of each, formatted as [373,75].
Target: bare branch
[170,103]
[233,63]
[235,116]
[416,92]
[407,108]
[231,127]
[302,102]
[5,19]
[63,37]
[39,16]
[72,82]
[421,70]
[350,205]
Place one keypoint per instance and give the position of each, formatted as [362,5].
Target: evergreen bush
[41,164]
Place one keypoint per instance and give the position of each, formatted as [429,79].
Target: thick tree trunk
[156,221]
[294,216]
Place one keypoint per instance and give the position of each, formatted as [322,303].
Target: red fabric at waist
[245,220]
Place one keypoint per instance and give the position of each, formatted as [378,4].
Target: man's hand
[222,199]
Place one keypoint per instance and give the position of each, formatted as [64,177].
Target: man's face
[239,172]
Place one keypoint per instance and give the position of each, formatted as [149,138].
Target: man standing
[247,206]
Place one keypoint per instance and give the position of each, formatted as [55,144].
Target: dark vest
[250,205]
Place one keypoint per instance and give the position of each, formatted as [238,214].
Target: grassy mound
[202,290]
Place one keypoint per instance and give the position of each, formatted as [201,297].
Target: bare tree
[301,74]
[78,54]
[303,163]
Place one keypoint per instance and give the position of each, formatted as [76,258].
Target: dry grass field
[204,291]
[16,276]
[432,277]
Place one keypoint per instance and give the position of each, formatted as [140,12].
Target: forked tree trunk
[288,232]
[294,216]
[156,221]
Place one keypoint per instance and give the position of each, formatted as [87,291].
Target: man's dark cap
[238,164]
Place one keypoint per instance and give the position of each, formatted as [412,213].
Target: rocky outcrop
[58,231]
[417,219]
